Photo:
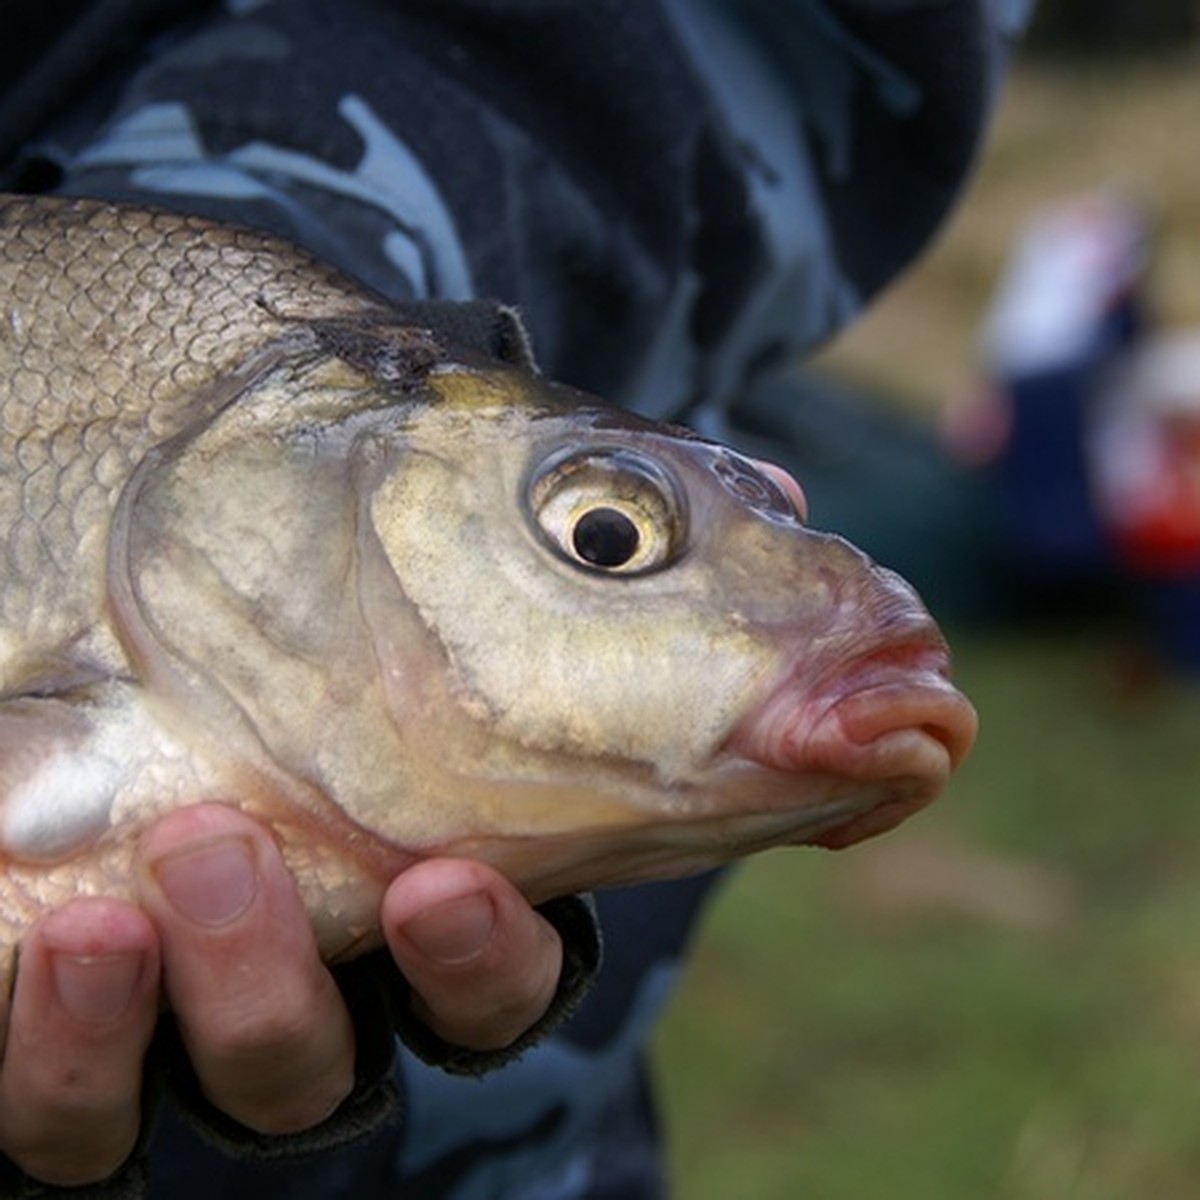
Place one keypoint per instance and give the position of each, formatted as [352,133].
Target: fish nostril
[762,486]
[788,485]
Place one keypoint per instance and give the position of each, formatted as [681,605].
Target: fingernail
[211,884]
[97,987]
[455,931]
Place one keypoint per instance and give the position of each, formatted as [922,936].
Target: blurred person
[676,195]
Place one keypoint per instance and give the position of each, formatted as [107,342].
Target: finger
[261,1018]
[82,1014]
[483,965]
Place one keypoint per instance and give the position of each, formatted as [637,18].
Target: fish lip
[904,684]
[891,713]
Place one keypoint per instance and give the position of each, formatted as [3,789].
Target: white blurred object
[1163,376]
[1073,263]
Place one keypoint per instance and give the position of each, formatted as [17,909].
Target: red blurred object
[1145,457]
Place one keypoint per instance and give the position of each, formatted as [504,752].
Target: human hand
[221,932]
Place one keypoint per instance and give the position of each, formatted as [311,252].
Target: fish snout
[888,722]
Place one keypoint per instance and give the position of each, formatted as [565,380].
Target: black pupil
[605,537]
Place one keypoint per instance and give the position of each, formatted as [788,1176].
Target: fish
[272,541]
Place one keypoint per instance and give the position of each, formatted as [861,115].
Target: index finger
[82,1014]
[262,1019]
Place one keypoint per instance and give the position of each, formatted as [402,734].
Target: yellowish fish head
[650,656]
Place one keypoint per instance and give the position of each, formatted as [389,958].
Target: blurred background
[1001,999]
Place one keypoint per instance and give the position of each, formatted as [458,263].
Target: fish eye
[610,511]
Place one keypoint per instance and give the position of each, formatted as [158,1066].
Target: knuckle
[73,1093]
[492,1019]
[278,1066]
[252,1033]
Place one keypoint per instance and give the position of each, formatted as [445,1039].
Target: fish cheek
[554,657]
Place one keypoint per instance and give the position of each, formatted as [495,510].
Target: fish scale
[87,285]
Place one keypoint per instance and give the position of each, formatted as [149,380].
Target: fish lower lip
[887,731]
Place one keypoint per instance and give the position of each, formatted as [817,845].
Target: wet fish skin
[266,541]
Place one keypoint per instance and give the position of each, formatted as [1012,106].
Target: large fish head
[650,657]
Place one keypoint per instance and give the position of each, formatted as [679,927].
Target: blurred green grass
[1001,1000]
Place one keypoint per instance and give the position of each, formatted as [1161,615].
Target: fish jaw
[889,722]
[823,758]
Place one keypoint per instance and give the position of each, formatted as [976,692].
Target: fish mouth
[890,727]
